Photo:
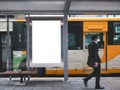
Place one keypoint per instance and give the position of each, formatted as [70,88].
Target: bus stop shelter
[56,8]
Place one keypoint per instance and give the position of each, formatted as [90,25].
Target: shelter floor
[58,83]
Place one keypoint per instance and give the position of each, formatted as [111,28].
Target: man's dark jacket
[93,54]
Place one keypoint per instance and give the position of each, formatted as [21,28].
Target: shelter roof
[58,7]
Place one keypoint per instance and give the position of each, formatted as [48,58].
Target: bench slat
[19,73]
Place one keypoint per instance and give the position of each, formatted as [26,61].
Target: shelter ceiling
[60,6]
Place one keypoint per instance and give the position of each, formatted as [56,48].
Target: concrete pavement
[45,83]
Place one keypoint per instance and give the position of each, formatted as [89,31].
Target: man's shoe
[85,82]
[100,87]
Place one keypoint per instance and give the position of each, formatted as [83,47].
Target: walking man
[94,62]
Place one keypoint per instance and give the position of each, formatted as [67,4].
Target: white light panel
[46,41]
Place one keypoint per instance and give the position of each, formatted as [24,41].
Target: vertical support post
[106,35]
[8,46]
[65,46]
[28,45]
[65,39]
[28,42]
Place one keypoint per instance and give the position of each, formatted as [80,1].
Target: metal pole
[106,34]
[65,39]
[8,46]
[65,47]
[28,45]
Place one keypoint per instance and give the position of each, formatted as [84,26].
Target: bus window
[114,33]
[75,36]
[19,36]
[72,40]
[88,40]
[116,39]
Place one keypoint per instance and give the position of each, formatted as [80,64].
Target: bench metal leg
[10,77]
[24,78]
[29,77]
[21,79]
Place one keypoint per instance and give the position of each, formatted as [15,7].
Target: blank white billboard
[46,42]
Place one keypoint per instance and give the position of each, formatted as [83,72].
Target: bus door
[101,46]
[100,28]
[75,45]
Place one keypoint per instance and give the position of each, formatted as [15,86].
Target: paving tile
[75,83]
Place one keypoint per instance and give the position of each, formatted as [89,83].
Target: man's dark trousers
[95,73]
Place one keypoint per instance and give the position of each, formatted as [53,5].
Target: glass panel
[113,33]
[100,40]
[75,36]
[117,27]
[87,40]
[19,36]
[116,35]
[116,39]
[4,50]
[72,40]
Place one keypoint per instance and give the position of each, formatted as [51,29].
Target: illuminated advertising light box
[46,43]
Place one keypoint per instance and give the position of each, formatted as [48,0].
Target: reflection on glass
[74,42]
[100,40]
[75,35]
[117,27]
[116,39]
[88,40]
[71,40]
[116,34]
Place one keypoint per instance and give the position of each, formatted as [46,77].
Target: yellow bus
[79,36]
